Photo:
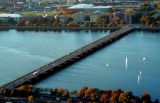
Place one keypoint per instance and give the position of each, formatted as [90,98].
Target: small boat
[140,72]
[144,59]
[34,73]
[138,79]
[107,65]
[126,60]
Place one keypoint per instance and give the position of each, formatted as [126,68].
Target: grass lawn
[31,13]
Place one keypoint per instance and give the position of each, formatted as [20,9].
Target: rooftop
[11,15]
[81,6]
[88,6]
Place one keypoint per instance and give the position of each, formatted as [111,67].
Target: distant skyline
[70,1]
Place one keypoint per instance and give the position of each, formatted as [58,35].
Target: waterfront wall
[149,29]
[51,28]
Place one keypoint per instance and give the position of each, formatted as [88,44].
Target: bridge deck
[68,59]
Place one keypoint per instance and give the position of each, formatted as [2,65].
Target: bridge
[59,64]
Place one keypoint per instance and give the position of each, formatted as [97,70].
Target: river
[133,74]
[22,52]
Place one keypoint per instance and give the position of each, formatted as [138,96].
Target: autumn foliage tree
[125,97]
[85,95]
[30,98]
[146,98]
[105,96]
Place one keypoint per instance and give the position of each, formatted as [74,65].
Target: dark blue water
[23,52]
[135,75]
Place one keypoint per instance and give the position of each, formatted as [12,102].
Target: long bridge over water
[59,64]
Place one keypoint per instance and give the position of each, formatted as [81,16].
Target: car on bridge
[34,73]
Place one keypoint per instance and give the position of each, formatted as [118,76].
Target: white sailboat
[126,62]
[144,58]
[140,72]
[107,65]
[138,79]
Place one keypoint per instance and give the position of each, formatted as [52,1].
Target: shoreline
[152,29]
[51,28]
[29,93]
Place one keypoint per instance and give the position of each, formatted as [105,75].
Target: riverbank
[51,28]
[30,94]
[149,28]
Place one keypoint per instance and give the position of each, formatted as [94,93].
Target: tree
[116,92]
[88,92]
[66,93]
[70,100]
[113,99]
[146,98]
[115,95]
[136,17]
[12,92]
[129,10]
[82,92]
[36,92]
[11,21]
[74,92]
[60,91]
[146,20]
[158,5]
[27,23]
[30,98]
[22,88]
[125,97]
[3,91]
[30,88]
[104,98]
[22,91]
[137,99]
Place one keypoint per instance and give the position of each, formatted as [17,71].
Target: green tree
[11,21]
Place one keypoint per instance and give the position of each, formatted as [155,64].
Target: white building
[89,7]
[5,17]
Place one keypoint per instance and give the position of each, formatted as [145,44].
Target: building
[5,17]
[62,18]
[71,2]
[94,15]
[79,17]
[29,1]
[89,8]
[96,1]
